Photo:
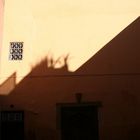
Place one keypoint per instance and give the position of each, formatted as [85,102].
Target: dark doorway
[12,125]
[78,122]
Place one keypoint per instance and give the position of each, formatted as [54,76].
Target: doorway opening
[78,121]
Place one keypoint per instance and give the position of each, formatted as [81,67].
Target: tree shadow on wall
[38,93]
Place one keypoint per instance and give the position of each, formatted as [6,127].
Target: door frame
[59,106]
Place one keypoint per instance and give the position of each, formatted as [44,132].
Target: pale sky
[60,27]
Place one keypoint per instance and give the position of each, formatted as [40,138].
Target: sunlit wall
[53,29]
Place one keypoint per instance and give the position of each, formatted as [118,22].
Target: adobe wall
[119,116]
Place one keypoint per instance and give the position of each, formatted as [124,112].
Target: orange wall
[111,76]
[119,116]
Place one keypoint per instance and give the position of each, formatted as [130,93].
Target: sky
[56,28]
